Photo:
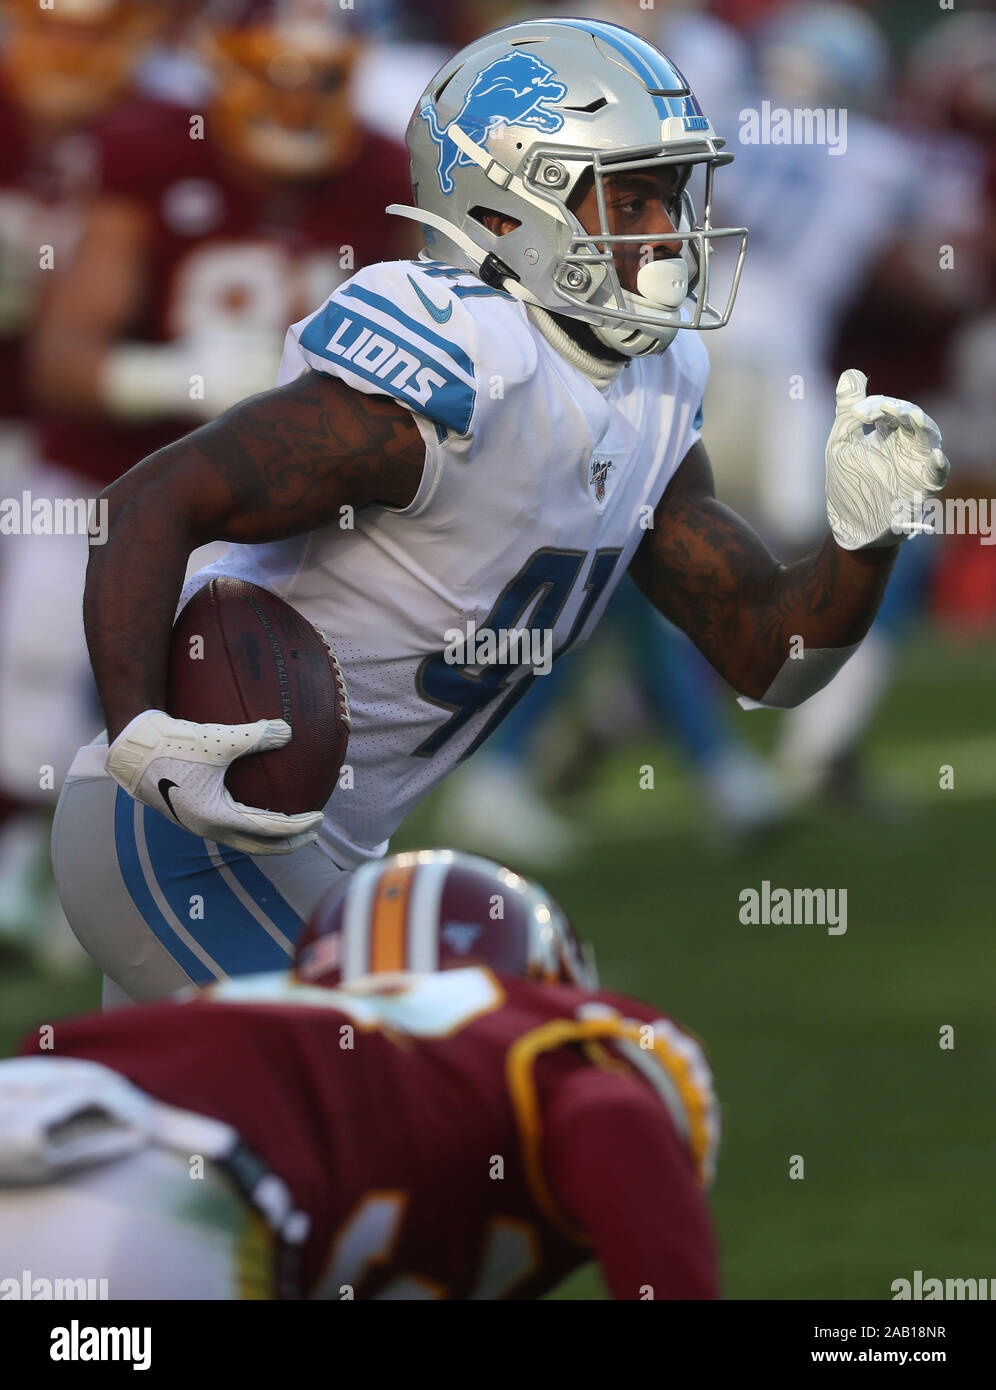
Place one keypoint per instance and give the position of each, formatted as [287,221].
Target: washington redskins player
[61,70]
[213,229]
[438,1102]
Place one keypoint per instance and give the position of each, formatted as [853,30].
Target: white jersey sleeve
[407,329]
[696,360]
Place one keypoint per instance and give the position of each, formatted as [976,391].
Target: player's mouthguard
[664,283]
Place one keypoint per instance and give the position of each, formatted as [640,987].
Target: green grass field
[822,1046]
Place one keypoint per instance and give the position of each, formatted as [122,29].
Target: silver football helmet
[514,122]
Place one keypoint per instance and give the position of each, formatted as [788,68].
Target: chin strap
[491,270]
[598,371]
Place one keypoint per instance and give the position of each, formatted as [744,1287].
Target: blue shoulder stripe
[478,292]
[377,301]
[348,341]
[474,291]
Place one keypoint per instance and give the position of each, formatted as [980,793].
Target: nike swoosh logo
[165,787]
[440,315]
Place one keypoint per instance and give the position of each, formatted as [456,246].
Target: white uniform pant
[158,908]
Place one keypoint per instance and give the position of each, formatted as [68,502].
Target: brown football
[240,653]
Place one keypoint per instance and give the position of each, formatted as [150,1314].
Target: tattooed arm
[704,568]
[275,465]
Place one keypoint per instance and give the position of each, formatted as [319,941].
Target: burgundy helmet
[440,909]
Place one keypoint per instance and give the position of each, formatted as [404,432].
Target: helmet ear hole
[505,224]
[580,191]
[442,87]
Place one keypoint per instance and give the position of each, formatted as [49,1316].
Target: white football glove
[884,461]
[178,767]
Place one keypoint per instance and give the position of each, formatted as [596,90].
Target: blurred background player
[944,336]
[844,265]
[371,1105]
[217,218]
[210,228]
[821,219]
[61,71]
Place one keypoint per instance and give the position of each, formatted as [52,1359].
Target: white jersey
[537,490]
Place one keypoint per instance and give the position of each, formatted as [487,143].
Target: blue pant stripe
[262,892]
[228,932]
[141,896]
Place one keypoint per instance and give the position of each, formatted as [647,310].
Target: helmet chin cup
[660,285]
[664,283]
[635,342]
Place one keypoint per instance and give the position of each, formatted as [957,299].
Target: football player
[214,226]
[484,439]
[900,312]
[475,1130]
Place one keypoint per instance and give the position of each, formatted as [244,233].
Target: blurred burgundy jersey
[42,180]
[454,1135]
[14,211]
[225,250]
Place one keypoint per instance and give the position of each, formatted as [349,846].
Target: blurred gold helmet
[283,70]
[65,63]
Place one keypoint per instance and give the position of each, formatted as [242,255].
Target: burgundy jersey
[224,249]
[42,181]
[453,1135]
